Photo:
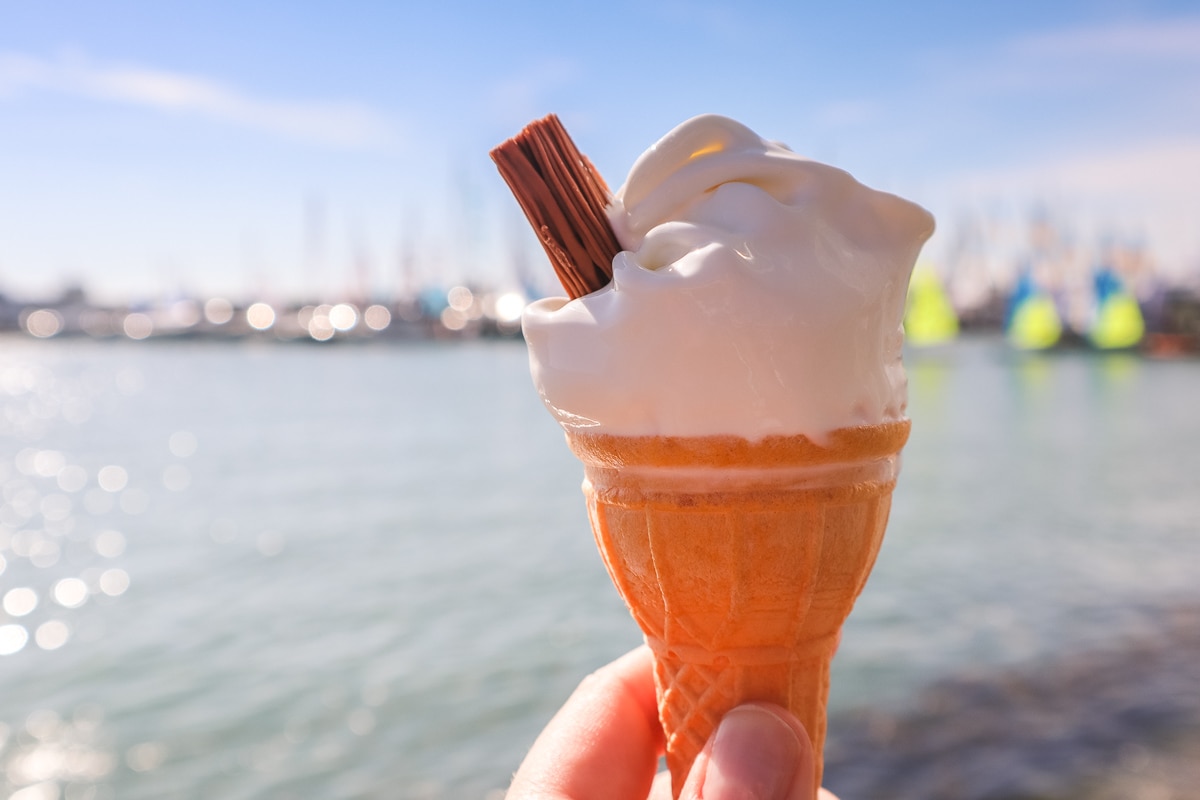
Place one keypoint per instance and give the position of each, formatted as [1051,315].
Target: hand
[604,744]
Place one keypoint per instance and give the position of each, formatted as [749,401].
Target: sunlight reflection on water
[61,509]
[100,507]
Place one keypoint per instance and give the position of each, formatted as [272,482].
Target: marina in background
[1049,293]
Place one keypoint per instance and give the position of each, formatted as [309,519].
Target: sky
[278,150]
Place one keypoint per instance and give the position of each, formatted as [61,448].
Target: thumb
[758,752]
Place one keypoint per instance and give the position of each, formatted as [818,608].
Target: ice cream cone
[740,561]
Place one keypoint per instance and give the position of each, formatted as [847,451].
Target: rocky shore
[1117,723]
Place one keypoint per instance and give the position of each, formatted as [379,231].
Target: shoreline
[1123,721]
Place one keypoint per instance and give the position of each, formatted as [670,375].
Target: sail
[1033,319]
[1117,323]
[929,318]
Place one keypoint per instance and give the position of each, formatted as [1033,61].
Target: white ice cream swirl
[758,293]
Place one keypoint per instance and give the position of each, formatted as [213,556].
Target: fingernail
[754,757]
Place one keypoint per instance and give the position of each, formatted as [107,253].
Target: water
[366,572]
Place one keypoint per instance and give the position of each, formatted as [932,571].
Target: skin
[605,744]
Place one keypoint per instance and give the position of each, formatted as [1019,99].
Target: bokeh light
[48,463]
[114,582]
[138,325]
[72,478]
[460,298]
[70,592]
[12,639]
[43,323]
[509,306]
[112,478]
[20,601]
[218,310]
[318,324]
[377,317]
[52,634]
[343,317]
[260,316]
[179,315]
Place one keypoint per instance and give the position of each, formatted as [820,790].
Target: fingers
[604,743]
[759,750]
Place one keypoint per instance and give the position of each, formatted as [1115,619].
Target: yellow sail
[1118,322]
[929,317]
[1035,323]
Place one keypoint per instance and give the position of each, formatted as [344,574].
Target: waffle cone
[740,561]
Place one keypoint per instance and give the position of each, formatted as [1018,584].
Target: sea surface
[365,571]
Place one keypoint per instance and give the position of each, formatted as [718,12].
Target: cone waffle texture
[740,561]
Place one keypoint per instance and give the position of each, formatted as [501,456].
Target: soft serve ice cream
[758,293]
[735,394]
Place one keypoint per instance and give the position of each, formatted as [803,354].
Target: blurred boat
[1117,323]
[929,317]
[1033,321]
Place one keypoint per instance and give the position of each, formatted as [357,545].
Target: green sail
[929,318]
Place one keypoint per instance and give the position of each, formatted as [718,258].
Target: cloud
[1065,106]
[338,124]
[1098,57]
[1165,39]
